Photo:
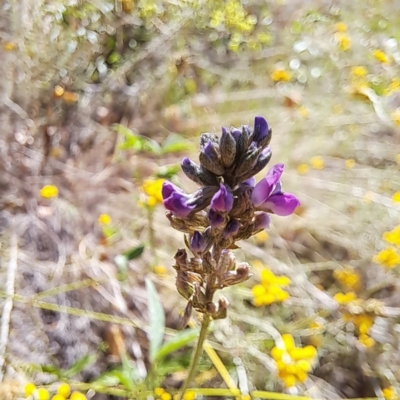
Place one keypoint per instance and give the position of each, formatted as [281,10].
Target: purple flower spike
[262,220]
[268,195]
[222,201]
[261,129]
[198,243]
[176,200]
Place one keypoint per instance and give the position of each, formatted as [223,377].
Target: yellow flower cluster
[390,257]
[341,27]
[381,56]
[293,363]
[389,393]
[152,188]
[104,219]
[363,323]
[348,278]
[396,196]
[317,162]
[345,298]
[343,41]
[49,191]
[162,394]
[281,75]
[270,290]
[359,71]
[63,393]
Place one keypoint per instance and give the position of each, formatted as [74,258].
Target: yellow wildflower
[395,116]
[42,394]
[359,71]
[104,219]
[366,340]
[343,41]
[49,191]
[160,270]
[189,395]
[29,389]
[348,278]
[341,27]
[281,75]
[270,290]
[165,396]
[393,86]
[64,390]
[381,56]
[344,298]
[393,236]
[350,163]
[388,258]
[389,393]
[396,197]
[77,396]
[293,363]
[159,391]
[317,162]
[261,237]
[302,169]
[58,397]
[152,188]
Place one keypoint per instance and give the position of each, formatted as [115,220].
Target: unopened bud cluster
[228,207]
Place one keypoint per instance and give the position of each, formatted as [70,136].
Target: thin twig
[8,302]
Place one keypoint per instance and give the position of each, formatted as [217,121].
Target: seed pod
[187,314]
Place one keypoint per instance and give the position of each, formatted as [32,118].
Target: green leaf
[181,339]
[168,171]
[175,143]
[80,365]
[157,320]
[134,252]
[52,369]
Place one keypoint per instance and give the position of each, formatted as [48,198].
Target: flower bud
[222,201]
[209,159]
[231,228]
[261,163]
[226,262]
[176,200]
[198,174]
[197,243]
[227,148]
[216,219]
[261,132]
[248,160]
[241,274]
[262,220]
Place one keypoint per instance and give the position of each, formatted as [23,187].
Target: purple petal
[262,221]
[215,218]
[231,228]
[281,204]
[250,182]
[197,243]
[177,204]
[222,201]
[168,188]
[236,133]
[208,149]
[265,187]
[260,129]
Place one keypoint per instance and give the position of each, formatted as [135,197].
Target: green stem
[197,354]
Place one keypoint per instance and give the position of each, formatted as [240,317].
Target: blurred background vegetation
[100,100]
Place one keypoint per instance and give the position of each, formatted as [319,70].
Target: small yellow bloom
[43,394]
[348,278]
[165,396]
[343,41]
[393,86]
[281,75]
[158,391]
[393,236]
[189,395]
[343,298]
[366,340]
[317,162]
[49,191]
[261,237]
[104,219]
[395,116]
[350,163]
[64,390]
[302,169]
[160,270]
[58,91]
[396,197]
[77,396]
[389,393]
[29,389]
[359,71]
[388,258]
[9,46]
[381,56]
[341,27]
[58,397]
[153,187]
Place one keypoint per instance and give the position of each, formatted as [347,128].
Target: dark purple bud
[227,147]
[176,200]
[198,243]
[262,220]
[231,228]
[198,174]
[222,201]
[248,160]
[216,219]
[261,163]
[261,132]
[209,159]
